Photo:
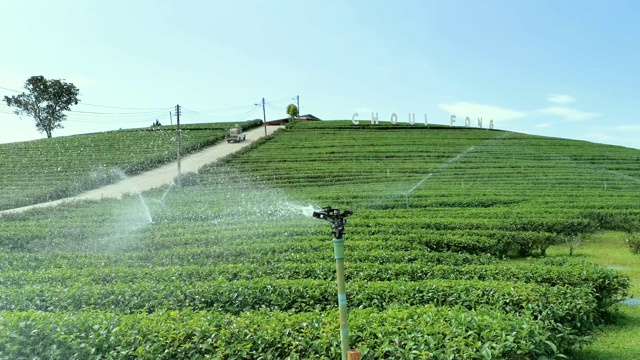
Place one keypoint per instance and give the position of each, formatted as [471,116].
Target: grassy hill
[42,170]
[444,252]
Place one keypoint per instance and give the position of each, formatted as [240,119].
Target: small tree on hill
[292,111]
[574,241]
[44,101]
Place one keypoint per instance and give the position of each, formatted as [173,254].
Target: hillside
[451,170]
[233,266]
[43,170]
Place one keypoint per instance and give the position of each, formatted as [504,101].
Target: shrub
[398,333]
[633,240]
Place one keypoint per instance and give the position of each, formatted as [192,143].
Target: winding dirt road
[162,175]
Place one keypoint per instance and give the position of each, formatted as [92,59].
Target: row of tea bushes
[434,333]
[573,310]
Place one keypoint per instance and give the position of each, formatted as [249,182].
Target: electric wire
[229,108]
[89,121]
[274,107]
[118,114]
[4,88]
[218,117]
[149,114]
[124,108]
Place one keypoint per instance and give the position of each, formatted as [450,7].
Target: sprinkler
[338,221]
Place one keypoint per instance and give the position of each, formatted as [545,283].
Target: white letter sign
[375,120]
[394,119]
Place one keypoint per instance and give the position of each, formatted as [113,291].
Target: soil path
[162,175]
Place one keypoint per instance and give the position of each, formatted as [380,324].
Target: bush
[633,241]
[399,333]
[570,313]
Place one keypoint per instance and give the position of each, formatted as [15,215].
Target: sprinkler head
[335,217]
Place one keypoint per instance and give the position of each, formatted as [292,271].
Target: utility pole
[264,116]
[170,118]
[178,138]
[297,99]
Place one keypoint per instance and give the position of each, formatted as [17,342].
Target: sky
[566,68]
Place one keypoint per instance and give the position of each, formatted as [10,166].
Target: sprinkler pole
[339,221]
[338,252]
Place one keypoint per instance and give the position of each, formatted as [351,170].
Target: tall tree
[44,101]
[292,111]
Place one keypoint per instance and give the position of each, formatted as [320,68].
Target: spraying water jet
[145,208]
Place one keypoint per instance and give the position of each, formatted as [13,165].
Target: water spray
[338,221]
[439,169]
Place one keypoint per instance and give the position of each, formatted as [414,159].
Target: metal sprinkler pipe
[338,221]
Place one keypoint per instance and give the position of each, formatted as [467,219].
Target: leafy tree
[44,101]
[292,111]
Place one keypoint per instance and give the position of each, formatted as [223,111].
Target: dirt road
[160,176]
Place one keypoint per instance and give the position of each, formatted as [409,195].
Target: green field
[455,251]
[42,170]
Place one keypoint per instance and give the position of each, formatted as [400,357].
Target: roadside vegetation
[457,249]
[43,170]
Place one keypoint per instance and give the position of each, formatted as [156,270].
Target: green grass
[607,249]
[618,340]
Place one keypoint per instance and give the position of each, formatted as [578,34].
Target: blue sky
[556,68]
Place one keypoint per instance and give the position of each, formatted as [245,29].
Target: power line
[228,108]
[4,88]
[147,113]
[217,117]
[119,114]
[105,106]
[275,107]
[124,108]
[87,121]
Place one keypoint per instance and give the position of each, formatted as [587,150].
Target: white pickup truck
[235,135]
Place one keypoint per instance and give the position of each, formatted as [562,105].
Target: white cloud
[568,113]
[562,99]
[488,112]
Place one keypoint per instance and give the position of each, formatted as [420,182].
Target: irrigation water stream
[439,169]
